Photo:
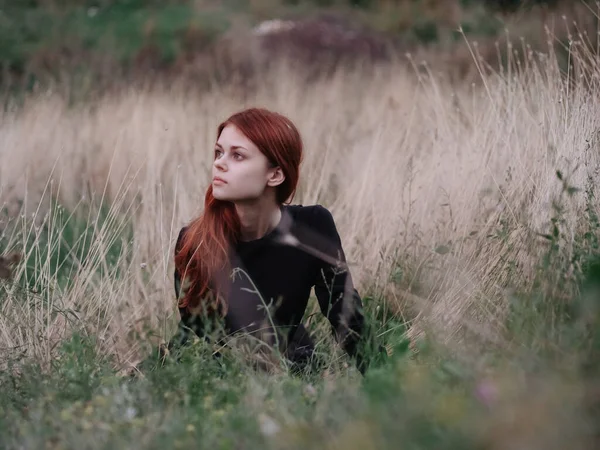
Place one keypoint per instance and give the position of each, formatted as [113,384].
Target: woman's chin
[222,196]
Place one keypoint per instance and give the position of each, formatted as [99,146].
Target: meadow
[468,213]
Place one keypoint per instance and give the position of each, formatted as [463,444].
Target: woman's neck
[258,218]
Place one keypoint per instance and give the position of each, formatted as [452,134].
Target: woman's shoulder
[315,227]
[316,216]
[308,212]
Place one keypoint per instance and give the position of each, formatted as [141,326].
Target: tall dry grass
[438,189]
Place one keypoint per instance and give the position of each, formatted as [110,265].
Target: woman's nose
[219,164]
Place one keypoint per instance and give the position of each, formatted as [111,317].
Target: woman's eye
[238,156]
[217,152]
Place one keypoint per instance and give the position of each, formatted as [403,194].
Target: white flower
[268,426]
[130,413]
[309,390]
[273,26]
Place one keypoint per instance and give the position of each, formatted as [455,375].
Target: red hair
[202,256]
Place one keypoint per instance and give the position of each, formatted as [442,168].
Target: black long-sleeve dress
[302,252]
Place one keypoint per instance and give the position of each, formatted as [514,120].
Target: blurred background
[97,44]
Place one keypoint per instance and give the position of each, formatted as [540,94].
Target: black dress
[271,281]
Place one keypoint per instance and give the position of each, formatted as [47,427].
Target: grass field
[469,215]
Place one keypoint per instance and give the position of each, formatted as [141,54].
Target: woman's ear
[276,177]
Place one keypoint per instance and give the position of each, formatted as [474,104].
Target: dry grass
[445,184]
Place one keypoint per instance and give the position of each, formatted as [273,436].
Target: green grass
[425,401]
[64,242]
[120,30]
[39,44]
[202,402]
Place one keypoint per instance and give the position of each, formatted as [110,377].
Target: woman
[251,258]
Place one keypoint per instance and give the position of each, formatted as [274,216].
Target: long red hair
[202,257]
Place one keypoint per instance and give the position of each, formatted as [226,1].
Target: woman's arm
[338,299]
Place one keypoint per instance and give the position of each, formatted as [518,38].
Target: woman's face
[241,172]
